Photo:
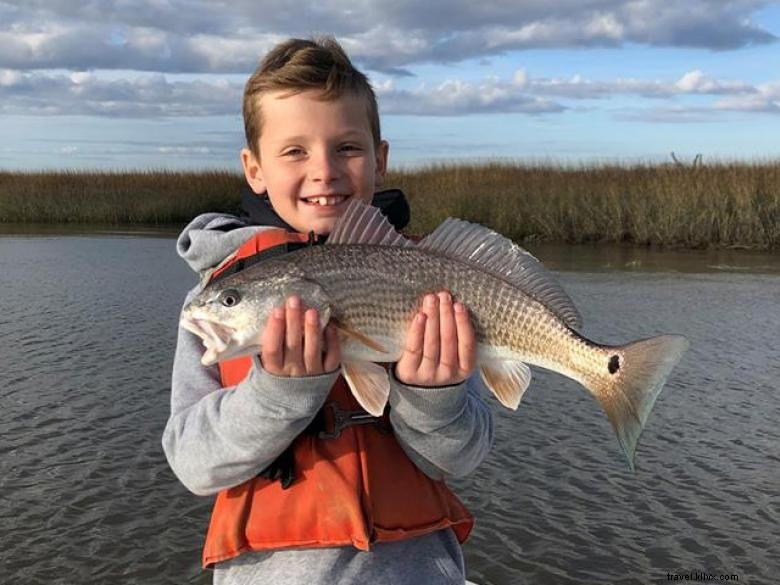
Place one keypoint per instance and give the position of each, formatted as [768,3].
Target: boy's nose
[324,168]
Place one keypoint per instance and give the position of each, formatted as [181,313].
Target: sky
[157,84]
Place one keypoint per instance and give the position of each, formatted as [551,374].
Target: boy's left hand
[441,348]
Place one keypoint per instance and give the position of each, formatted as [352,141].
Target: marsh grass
[717,205]
[154,197]
[721,205]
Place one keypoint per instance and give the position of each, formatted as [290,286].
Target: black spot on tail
[614,364]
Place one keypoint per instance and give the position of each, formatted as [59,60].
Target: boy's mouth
[324,200]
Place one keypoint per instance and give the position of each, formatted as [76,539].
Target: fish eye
[230,298]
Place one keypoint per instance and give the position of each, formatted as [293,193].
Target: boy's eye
[350,148]
[293,152]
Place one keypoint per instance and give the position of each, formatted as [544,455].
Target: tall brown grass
[154,197]
[721,205]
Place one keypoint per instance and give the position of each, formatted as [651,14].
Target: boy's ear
[252,171]
[381,162]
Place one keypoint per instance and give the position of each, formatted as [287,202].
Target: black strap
[281,468]
[327,424]
[278,250]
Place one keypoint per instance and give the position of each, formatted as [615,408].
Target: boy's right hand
[294,345]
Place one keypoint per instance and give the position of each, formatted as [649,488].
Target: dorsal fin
[500,256]
[364,224]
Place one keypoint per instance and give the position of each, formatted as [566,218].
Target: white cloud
[455,97]
[183,150]
[155,95]
[520,79]
[697,82]
[9,78]
[765,100]
[89,94]
[221,36]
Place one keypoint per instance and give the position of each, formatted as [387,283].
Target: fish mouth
[217,338]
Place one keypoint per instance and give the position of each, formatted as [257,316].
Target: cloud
[455,97]
[761,99]
[88,94]
[184,150]
[526,94]
[691,83]
[155,95]
[765,100]
[198,36]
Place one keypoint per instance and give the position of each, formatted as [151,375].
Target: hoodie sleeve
[445,431]
[217,437]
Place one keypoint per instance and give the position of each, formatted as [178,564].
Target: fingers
[332,357]
[293,343]
[432,342]
[272,342]
[312,346]
[440,344]
[448,332]
[415,338]
[467,340]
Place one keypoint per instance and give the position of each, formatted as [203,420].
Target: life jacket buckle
[342,419]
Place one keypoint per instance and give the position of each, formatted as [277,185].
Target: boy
[309,489]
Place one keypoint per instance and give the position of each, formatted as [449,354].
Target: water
[88,323]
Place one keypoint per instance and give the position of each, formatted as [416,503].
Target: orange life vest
[354,489]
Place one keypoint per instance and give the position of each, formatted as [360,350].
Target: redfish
[369,282]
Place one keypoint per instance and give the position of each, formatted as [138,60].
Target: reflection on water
[597,258]
[88,326]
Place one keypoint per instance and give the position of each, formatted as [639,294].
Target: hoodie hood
[211,237]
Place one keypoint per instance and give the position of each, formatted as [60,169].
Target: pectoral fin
[358,336]
[369,383]
[507,380]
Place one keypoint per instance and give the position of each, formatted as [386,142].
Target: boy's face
[315,155]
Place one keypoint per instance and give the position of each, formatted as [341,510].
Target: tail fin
[632,379]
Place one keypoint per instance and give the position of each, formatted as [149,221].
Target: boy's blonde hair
[298,65]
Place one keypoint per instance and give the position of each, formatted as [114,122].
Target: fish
[369,282]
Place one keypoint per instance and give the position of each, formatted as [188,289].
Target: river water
[87,330]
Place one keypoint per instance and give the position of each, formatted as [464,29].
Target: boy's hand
[441,348]
[293,344]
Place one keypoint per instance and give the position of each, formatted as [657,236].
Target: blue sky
[156,84]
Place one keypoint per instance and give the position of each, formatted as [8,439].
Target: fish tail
[631,379]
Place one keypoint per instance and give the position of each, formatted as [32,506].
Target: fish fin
[370,385]
[365,224]
[507,380]
[632,378]
[500,256]
[358,336]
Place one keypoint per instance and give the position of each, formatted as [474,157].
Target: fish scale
[370,283]
[503,317]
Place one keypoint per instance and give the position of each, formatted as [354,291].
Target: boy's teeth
[326,200]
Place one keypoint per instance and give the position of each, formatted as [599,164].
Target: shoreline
[172,230]
[669,206]
[590,257]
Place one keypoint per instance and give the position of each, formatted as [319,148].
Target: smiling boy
[300,498]
[312,155]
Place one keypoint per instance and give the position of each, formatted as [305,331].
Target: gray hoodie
[216,440]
